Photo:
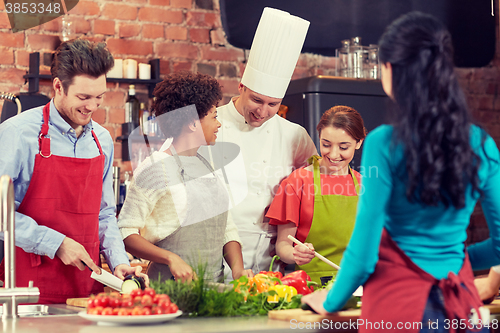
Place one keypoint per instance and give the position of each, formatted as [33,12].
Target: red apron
[64,194]
[399,284]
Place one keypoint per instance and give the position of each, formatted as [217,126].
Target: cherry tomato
[146,300]
[96,310]
[115,302]
[173,308]
[115,311]
[137,300]
[136,292]
[91,302]
[158,310]
[123,312]
[115,294]
[107,311]
[127,303]
[164,303]
[146,311]
[102,300]
[150,291]
[136,311]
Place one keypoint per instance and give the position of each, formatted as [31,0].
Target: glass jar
[68,30]
[359,56]
[344,65]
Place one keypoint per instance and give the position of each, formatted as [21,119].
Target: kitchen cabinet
[33,76]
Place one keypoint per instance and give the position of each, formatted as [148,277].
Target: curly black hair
[433,119]
[182,89]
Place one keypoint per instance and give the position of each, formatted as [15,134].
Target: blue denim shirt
[18,148]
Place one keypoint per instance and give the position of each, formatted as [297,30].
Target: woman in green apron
[317,204]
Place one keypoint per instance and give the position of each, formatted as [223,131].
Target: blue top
[433,237]
[18,148]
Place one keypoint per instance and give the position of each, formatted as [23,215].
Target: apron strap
[181,167]
[355,180]
[314,160]
[43,139]
[97,142]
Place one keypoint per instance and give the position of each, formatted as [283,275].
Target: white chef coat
[270,153]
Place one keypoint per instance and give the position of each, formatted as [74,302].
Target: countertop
[75,323]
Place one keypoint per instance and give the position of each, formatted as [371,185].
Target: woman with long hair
[433,165]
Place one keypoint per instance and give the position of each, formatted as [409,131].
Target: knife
[106,279]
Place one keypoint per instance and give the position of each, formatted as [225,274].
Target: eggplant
[132,282]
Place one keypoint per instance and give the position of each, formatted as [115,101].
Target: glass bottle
[356,52]
[373,61]
[132,107]
[143,118]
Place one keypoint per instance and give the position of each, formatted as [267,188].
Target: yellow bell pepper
[282,291]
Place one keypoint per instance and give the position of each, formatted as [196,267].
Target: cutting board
[79,302]
[494,306]
[308,316]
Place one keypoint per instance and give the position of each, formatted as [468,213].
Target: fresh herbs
[200,298]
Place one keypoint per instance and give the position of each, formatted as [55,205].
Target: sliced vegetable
[132,282]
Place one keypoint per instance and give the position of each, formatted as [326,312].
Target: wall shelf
[33,76]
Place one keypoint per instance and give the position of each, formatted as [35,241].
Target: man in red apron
[61,162]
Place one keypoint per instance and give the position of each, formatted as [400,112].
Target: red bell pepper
[300,280]
[271,273]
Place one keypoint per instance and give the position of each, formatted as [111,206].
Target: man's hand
[122,270]
[73,253]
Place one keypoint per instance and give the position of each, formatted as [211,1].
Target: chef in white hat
[271,146]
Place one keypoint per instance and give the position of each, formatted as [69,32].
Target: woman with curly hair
[176,210]
[433,165]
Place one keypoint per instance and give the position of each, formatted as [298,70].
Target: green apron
[331,227]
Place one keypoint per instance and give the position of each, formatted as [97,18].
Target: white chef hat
[274,53]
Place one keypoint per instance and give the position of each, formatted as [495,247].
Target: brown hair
[346,118]
[80,57]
